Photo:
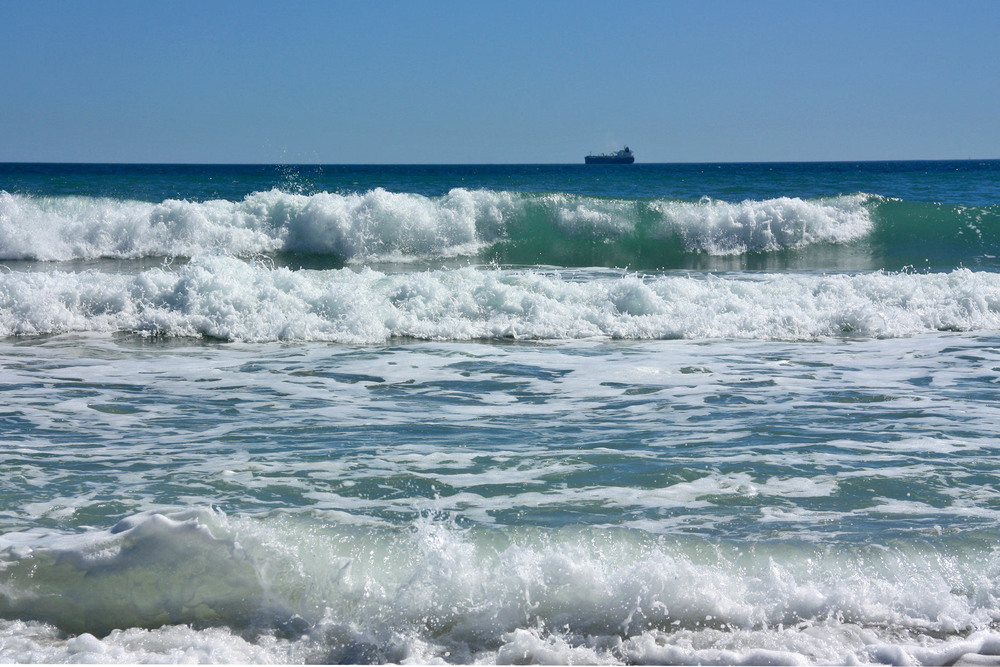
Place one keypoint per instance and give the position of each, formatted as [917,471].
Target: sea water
[704,414]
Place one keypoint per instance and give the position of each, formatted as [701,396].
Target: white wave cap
[374,224]
[64,228]
[226,298]
[723,228]
[383,224]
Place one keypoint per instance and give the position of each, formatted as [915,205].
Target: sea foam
[226,298]
[724,228]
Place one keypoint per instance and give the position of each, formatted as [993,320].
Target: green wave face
[849,232]
[935,236]
[663,234]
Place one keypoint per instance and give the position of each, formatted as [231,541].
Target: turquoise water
[705,414]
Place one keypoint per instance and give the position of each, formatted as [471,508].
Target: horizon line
[478,164]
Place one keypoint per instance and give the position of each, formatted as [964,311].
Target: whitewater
[656,414]
[381,225]
[224,298]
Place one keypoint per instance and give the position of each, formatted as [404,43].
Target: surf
[433,590]
[226,298]
[378,225]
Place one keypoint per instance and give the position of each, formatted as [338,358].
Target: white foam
[223,297]
[724,228]
[38,643]
[383,224]
[63,228]
[354,226]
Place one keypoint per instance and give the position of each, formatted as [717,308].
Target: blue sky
[495,82]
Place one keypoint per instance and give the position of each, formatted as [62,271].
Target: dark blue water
[971,182]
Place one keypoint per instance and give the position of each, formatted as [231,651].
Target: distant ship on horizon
[624,156]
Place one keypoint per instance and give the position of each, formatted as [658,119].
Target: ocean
[647,414]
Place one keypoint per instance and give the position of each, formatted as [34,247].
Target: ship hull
[608,159]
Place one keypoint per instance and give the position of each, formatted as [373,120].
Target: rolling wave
[432,592]
[571,230]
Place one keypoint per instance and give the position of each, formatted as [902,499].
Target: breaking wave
[315,591]
[228,299]
[558,228]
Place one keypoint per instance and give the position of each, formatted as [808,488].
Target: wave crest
[382,225]
[430,591]
[723,228]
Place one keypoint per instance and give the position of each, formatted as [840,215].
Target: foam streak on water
[610,501]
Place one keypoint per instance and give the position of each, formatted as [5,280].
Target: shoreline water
[385,414]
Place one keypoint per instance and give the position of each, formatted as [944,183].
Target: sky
[504,81]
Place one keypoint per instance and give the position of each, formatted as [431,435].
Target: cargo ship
[624,156]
